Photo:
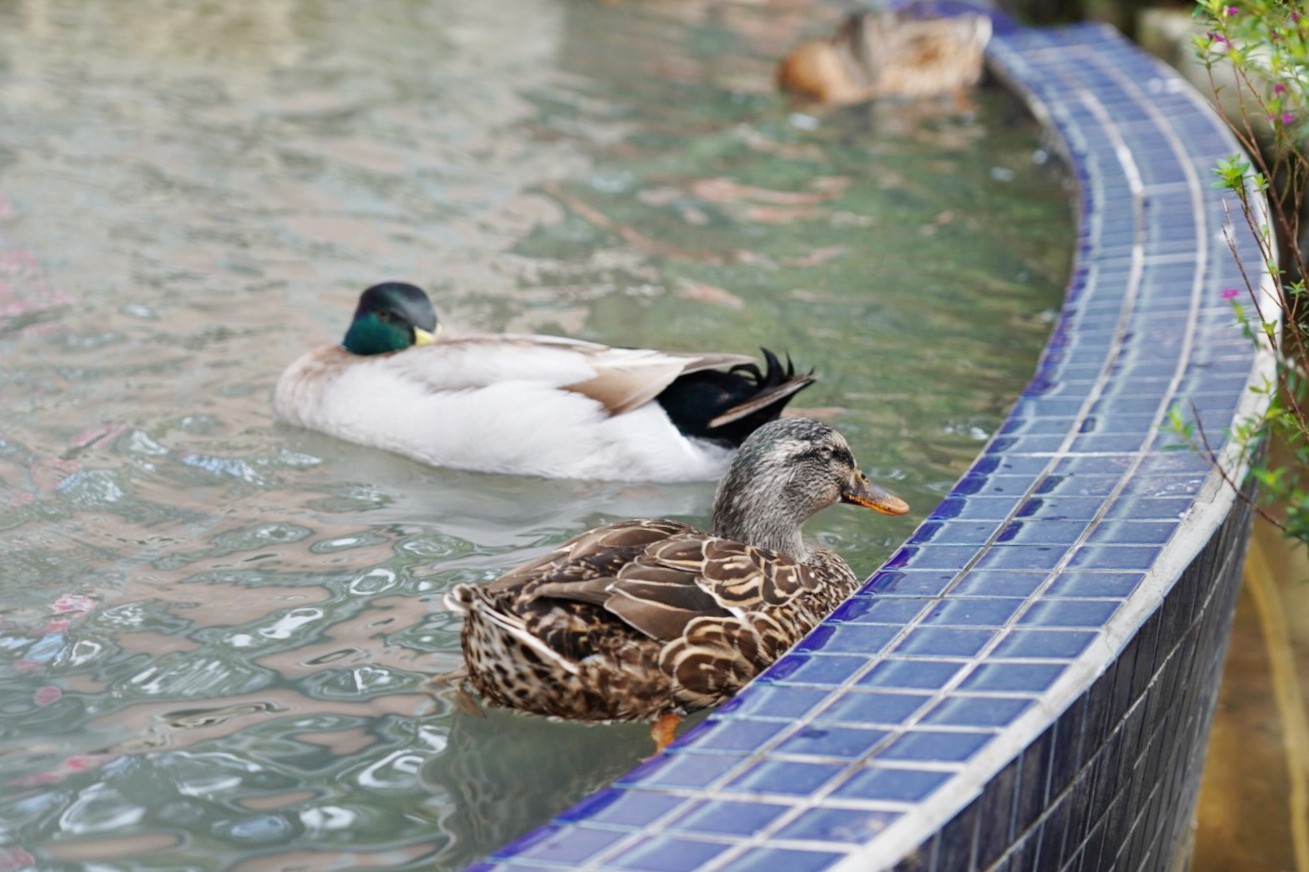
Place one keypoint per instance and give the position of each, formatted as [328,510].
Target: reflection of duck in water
[648,620]
[500,775]
[889,54]
[530,405]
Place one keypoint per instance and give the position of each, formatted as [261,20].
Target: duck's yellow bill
[422,337]
[862,492]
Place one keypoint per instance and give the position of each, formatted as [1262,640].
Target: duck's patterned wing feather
[714,659]
[597,554]
[736,575]
[680,579]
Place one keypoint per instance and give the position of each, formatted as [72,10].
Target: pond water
[217,635]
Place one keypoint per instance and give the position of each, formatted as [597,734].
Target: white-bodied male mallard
[530,405]
[890,54]
[649,620]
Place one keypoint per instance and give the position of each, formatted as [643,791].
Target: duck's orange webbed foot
[664,730]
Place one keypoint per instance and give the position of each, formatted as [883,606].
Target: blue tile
[784,778]
[733,734]
[927,557]
[1032,427]
[573,846]
[944,642]
[958,839]
[663,854]
[1104,442]
[1070,613]
[998,583]
[881,610]
[623,808]
[911,674]
[975,612]
[975,508]
[1080,485]
[825,741]
[680,770]
[778,701]
[778,859]
[1022,558]
[1061,508]
[1164,486]
[869,707]
[892,784]
[911,583]
[851,638]
[1017,465]
[1138,557]
[977,711]
[938,746]
[1045,532]
[727,818]
[838,825]
[1132,532]
[1013,677]
[953,532]
[1044,644]
[1093,585]
[1163,509]
[829,670]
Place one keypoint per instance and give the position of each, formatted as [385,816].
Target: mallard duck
[530,405]
[648,620]
[889,54]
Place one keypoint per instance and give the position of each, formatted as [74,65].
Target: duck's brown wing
[566,571]
[562,597]
[671,580]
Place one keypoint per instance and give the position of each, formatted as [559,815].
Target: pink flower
[1231,293]
[1279,89]
[1288,118]
[1231,10]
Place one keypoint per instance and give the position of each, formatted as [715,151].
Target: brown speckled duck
[889,54]
[648,620]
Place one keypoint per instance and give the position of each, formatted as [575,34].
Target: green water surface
[218,635]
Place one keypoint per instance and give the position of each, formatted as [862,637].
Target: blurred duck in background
[884,53]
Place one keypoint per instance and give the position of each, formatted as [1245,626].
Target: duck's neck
[757,517]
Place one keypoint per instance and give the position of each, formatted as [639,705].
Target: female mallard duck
[531,405]
[889,54]
[648,620]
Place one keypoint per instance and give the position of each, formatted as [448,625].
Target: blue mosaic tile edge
[1033,579]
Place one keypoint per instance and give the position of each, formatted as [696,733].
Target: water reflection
[217,636]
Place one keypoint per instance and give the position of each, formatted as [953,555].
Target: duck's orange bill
[862,492]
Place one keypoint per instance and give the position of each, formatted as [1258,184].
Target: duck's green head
[391,317]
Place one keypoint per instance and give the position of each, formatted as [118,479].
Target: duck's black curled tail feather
[726,407]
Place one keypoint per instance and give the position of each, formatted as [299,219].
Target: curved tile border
[1027,682]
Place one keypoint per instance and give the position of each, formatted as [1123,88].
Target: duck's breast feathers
[301,386]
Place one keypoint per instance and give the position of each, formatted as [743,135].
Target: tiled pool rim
[1027,683]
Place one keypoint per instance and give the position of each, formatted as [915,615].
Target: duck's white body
[527,405]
